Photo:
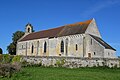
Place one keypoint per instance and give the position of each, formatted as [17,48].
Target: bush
[1,58]
[30,64]
[11,58]
[16,59]
[7,70]
[25,63]
[5,58]
[60,63]
[16,66]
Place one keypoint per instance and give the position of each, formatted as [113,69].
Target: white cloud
[97,7]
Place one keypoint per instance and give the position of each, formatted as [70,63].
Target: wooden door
[89,55]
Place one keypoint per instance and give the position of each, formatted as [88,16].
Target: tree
[12,46]
[12,49]
[16,36]
[1,52]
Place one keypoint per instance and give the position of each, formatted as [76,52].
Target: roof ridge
[65,25]
[80,23]
[47,29]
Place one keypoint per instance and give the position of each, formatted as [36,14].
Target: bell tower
[28,29]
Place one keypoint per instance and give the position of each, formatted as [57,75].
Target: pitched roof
[103,43]
[71,29]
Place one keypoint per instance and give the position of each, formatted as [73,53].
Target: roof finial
[93,19]
[28,24]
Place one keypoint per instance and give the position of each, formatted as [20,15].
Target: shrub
[5,58]
[1,58]
[11,58]
[60,63]
[16,66]
[16,59]
[24,63]
[63,61]
[7,70]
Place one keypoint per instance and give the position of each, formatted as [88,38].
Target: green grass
[40,73]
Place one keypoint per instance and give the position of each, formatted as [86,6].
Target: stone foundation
[73,62]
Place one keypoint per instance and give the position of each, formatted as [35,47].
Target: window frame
[62,47]
[76,47]
[45,47]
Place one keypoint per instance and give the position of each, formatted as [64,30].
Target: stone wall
[94,48]
[53,46]
[73,62]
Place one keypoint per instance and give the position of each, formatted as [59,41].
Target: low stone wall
[73,62]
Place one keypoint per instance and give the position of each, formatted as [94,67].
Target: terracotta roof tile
[71,29]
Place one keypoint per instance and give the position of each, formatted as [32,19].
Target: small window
[108,53]
[45,47]
[28,29]
[37,43]
[76,47]
[91,41]
[94,53]
[62,46]
[32,50]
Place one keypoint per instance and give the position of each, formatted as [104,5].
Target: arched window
[37,43]
[94,53]
[62,46]
[76,47]
[32,50]
[45,47]
[28,29]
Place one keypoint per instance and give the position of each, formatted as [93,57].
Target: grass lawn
[40,73]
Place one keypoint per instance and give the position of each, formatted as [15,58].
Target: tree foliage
[1,51]
[12,46]
[16,36]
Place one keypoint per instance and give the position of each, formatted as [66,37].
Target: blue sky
[45,14]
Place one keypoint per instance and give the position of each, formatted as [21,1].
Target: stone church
[81,39]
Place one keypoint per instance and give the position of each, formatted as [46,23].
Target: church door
[89,55]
